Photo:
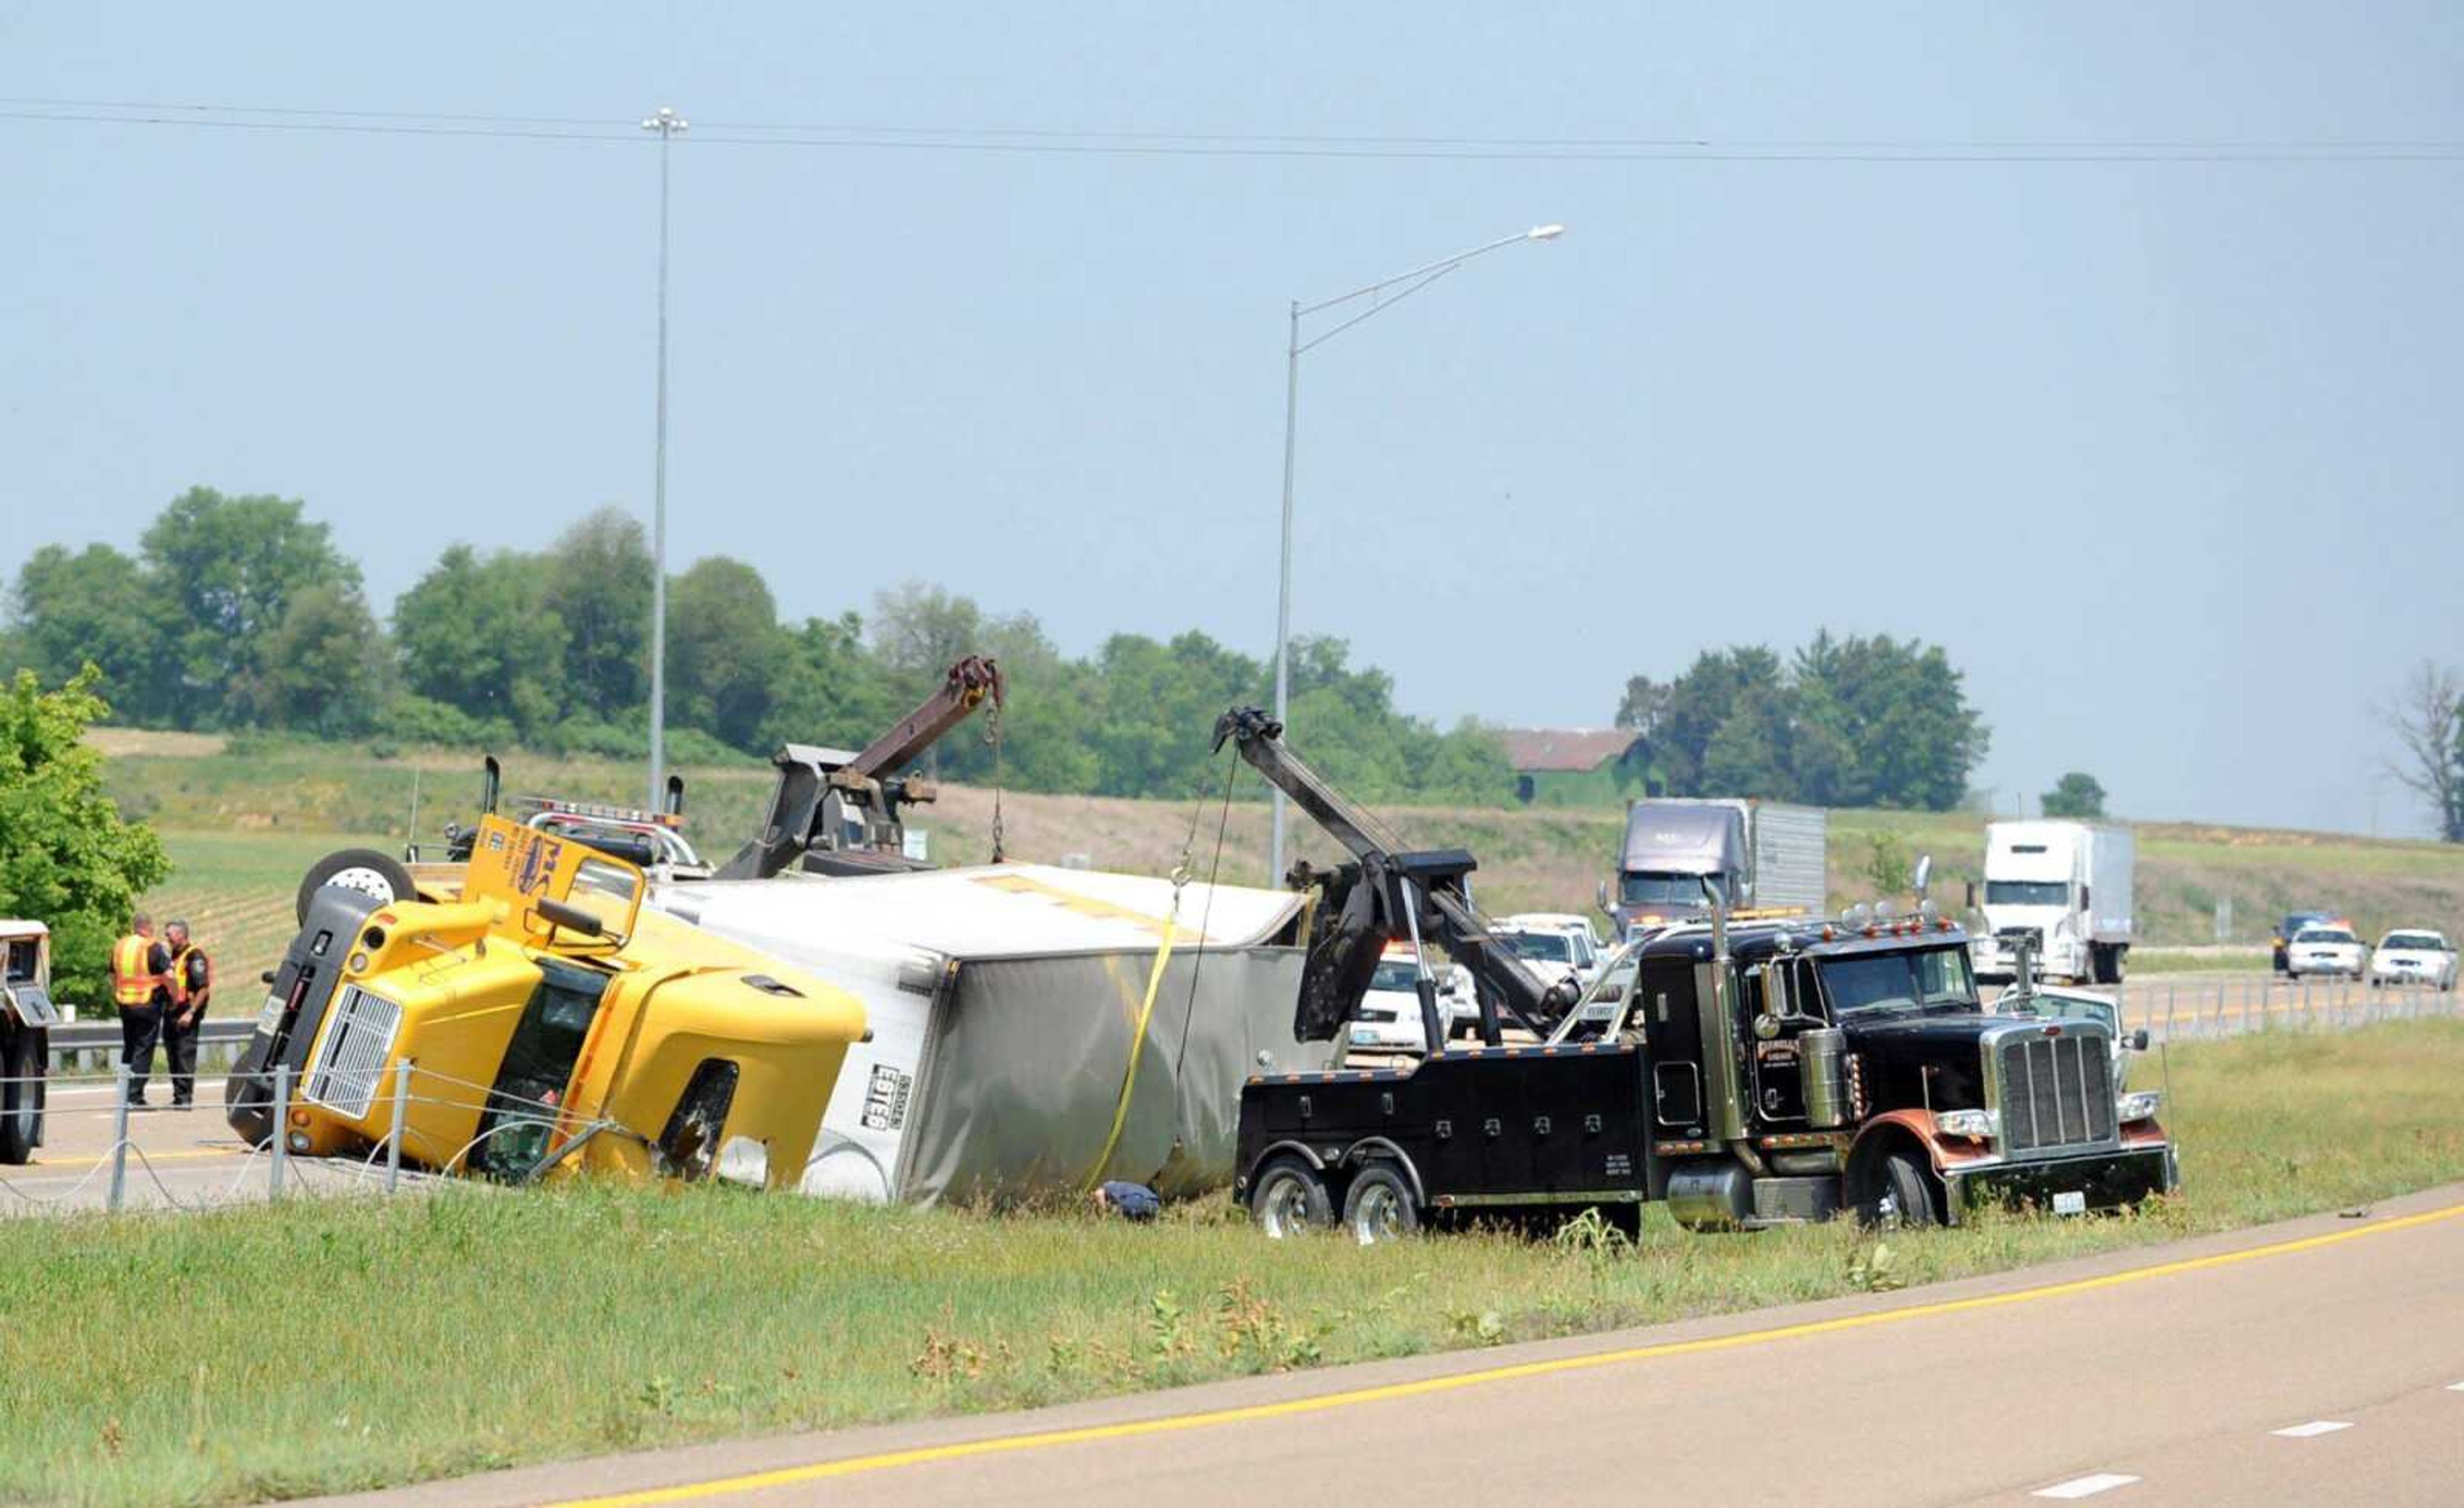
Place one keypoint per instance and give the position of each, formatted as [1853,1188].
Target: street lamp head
[667,121]
[1544,232]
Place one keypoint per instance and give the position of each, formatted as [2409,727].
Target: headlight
[2141,1105]
[1978,1123]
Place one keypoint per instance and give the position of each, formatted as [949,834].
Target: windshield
[2325,935]
[1395,974]
[2417,941]
[1897,981]
[1544,947]
[2026,892]
[1638,888]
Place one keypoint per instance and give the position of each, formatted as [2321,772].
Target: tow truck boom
[837,812]
[1386,892]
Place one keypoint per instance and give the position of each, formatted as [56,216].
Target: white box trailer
[2063,889]
[1010,1006]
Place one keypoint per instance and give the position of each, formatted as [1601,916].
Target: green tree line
[239,612]
[1851,722]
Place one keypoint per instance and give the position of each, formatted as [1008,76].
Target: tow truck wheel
[20,1066]
[1289,1198]
[364,869]
[1900,1198]
[1378,1206]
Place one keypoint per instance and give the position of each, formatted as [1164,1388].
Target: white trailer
[1028,1034]
[2062,889]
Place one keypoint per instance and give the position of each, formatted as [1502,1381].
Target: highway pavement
[178,1159]
[2317,1362]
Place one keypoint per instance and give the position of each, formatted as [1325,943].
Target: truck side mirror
[2139,1040]
[1925,875]
[1604,899]
[1971,895]
[2083,900]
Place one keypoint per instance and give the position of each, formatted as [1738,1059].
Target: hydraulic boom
[838,811]
[1384,893]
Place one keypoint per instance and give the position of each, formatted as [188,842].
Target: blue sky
[2165,452]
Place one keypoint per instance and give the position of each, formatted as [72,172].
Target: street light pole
[667,123]
[1411,282]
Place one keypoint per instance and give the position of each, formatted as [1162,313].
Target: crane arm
[1386,892]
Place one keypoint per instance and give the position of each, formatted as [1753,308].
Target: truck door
[1664,1004]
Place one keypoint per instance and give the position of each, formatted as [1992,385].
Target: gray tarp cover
[1022,1069]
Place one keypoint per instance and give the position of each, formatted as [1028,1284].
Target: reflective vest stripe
[130,983]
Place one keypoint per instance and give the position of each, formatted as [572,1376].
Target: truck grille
[2057,1091]
[350,1059]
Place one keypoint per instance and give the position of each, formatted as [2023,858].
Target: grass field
[244,820]
[320,1346]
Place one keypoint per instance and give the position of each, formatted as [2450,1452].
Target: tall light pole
[667,123]
[1410,283]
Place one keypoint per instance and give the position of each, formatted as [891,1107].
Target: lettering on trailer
[884,1099]
[535,861]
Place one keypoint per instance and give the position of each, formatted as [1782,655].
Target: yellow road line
[998,1445]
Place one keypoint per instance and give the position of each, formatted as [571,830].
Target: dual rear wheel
[1291,1199]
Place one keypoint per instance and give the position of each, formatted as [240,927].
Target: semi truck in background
[1768,856]
[2062,889]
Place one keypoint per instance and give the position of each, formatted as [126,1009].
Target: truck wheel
[1289,1198]
[364,869]
[1378,1206]
[19,1120]
[1900,1198]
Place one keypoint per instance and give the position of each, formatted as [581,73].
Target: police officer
[138,967]
[191,981]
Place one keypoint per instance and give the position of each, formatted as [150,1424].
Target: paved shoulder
[2095,1378]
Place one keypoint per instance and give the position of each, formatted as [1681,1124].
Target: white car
[1389,1017]
[2413,956]
[2326,950]
[1553,945]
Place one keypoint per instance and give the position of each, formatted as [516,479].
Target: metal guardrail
[95,1045]
[2189,1008]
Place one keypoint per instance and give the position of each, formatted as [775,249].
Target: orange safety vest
[180,975]
[131,985]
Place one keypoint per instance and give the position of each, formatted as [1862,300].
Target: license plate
[1364,1036]
[2070,1202]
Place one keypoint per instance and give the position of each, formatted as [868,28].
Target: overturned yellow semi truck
[540,1021]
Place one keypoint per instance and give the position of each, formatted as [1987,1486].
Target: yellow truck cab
[549,1024]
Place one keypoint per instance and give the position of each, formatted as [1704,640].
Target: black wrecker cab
[1760,1073]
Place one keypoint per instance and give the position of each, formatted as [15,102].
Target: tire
[20,1101]
[1289,1198]
[364,869]
[1902,1196]
[1379,1207]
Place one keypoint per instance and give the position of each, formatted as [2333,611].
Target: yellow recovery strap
[1138,1040]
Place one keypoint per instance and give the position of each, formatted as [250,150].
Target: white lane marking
[62,1091]
[2316,1427]
[2085,1486]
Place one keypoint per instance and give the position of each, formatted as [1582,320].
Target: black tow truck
[1766,1073]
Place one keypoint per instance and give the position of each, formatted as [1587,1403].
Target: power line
[1065,141]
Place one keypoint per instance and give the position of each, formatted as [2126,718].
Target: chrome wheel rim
[1376,1214]
[1284,1210]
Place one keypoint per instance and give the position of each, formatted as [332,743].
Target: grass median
[320,1346]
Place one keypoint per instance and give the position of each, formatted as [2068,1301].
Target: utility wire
[1057,141]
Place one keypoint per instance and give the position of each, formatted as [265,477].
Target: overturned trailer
[1034,1030]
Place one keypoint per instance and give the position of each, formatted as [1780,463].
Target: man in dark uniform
[191,975]
[138,965]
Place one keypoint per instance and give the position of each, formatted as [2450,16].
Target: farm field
[244,821]
[392,1353]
